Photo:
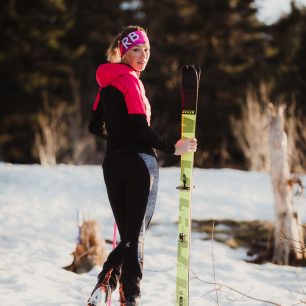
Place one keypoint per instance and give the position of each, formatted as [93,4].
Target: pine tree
[49,49]
[232,47]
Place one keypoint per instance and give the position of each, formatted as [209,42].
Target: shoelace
[106,278]
[121,295]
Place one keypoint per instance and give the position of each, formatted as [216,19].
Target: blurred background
[251,53]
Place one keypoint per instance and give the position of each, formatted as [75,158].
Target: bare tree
[251,132]
[50,128]
[287,219]
[61,136]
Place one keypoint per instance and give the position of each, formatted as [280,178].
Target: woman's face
[137,57]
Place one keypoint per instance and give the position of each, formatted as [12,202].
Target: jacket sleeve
[96,123]
[142,132]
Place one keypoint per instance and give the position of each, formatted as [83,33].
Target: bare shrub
[49,132]
[60,134]
[251,132]
[90,249]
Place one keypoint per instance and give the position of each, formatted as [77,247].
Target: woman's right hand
[185,146]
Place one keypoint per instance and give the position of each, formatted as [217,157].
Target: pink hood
[107,73]
[127,81]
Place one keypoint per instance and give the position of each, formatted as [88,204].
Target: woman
[121,113]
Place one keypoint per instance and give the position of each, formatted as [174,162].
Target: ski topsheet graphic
[190,86]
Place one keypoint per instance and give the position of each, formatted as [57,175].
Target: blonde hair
[113,52]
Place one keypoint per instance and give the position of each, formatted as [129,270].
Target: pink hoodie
[127,81]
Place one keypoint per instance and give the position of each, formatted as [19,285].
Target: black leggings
[131,183]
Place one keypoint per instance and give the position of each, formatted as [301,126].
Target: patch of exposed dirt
[256,236]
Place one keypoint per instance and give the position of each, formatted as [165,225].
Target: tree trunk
[288,236]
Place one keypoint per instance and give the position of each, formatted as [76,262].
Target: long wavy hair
[113,52]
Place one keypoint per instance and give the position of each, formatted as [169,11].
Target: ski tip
[186,67]
[196,68]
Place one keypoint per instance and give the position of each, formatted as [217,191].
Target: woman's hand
[185,146]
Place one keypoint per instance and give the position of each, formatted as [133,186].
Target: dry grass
[255,236]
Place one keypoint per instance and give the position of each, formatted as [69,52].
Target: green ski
[190,85]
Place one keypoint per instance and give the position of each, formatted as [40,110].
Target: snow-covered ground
[38,230]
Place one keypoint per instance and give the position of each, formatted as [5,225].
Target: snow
[269,11]
[38,230]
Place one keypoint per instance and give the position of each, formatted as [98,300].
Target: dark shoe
[128,301]
[102,291]
[133,302]
[99,297]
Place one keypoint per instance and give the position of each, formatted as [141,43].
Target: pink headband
[132,39]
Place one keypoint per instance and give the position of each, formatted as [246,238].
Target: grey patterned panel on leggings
[152,166]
